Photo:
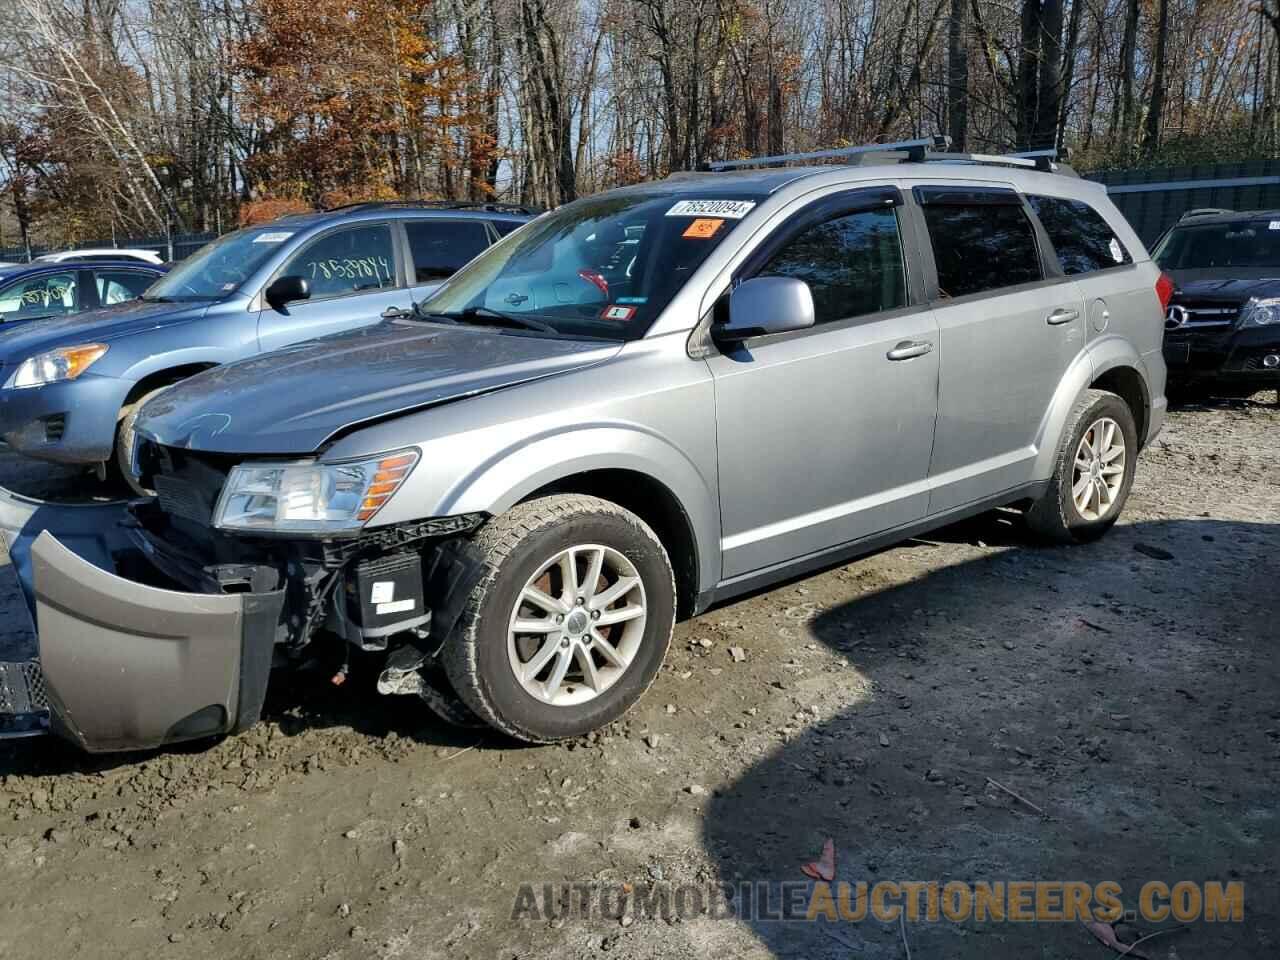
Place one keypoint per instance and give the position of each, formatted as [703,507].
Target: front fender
[173,359]
[510,474]
[1103,354]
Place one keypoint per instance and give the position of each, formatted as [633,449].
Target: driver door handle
[396,313]
[908,349]
[1062,315]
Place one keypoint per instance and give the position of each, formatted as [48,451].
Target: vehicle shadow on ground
[1129,689]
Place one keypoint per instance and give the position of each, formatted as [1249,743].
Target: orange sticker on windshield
[703,228]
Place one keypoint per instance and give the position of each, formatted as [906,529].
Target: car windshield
[600,267]
[219,268]
[1243,243]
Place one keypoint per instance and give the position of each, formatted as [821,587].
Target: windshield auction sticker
[703,228]
[727,209]
[277,237]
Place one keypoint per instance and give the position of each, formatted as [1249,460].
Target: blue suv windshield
[604,266]
[218,269]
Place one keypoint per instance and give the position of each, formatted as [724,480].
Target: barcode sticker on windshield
[1274,225]
[277,237]
[728,209]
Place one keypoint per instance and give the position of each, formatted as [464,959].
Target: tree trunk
[1028,72]
[1128,56]
[1046,131]
[1151,141]
[958,75]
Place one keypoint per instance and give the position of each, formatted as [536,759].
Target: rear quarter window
[1081,237]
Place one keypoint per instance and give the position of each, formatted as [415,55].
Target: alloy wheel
[1099,469]
[577,625]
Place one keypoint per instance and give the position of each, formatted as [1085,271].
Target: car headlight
[310,498]
[1260,313]
[64,363]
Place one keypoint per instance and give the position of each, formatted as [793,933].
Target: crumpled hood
[22,340]
[1211,285]
[293,400]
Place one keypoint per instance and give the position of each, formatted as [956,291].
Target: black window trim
[1053,274]
[831,207]
[325,234]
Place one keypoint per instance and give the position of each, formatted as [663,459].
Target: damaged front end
[153,627]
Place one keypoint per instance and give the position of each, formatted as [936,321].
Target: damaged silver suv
[635,406]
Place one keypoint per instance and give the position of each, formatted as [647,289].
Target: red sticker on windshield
[620,314]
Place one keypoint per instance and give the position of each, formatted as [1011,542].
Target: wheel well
[1128,384]
[653,503]
[163,378]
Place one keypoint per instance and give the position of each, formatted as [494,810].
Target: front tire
[121,465]
[570,623]
[1092,474]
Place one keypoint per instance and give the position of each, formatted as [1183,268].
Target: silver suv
[635,406]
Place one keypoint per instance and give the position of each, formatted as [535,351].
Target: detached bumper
[1230,357]
[120,665]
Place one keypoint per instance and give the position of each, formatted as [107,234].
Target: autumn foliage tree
[353,102]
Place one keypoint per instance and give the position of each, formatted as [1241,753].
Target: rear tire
[1092,474]
[591,640]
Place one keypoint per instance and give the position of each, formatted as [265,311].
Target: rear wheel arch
[1130,386]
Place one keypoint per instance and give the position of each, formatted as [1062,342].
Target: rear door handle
[396,313]
[908,349]
[1062,315]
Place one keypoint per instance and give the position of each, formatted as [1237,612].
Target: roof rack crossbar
[921,145]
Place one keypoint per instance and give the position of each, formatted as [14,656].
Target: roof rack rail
[1204,212]
[918,147]
[489,206]
[921,150]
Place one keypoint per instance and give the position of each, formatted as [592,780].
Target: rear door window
[353,260]
[441,247]
[852,264]
[1082,239]
[982,240]
[50,295]
[117,286]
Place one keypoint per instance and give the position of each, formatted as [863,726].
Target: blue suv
[70,385]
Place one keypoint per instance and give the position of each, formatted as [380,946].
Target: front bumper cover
[119,664]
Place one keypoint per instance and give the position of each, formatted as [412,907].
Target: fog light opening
[1271,361]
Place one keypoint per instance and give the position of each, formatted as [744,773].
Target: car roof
[53,266]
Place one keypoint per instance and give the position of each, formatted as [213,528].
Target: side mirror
[284,290]
[764,305]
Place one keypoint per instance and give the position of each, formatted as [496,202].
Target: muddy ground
[1129,689]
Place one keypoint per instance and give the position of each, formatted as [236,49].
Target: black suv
[1222,328]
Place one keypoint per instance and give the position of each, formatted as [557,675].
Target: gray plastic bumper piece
[119,665]
[129,666]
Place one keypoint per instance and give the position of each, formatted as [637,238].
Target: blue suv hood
[23,340]
[293,400]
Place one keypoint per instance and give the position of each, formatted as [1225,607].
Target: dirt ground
[1129,689]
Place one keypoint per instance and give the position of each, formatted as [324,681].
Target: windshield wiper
[472,314]
[145,299]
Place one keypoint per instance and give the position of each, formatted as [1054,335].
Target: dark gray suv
[638,405]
